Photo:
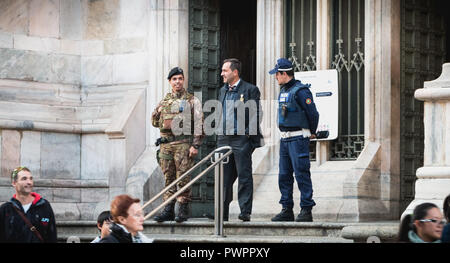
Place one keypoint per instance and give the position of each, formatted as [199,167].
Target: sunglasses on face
[435,221]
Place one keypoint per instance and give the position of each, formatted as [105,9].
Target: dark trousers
[294,157]
[238,167]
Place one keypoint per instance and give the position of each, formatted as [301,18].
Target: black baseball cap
[175,71]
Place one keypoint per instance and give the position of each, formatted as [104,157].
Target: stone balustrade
[433,179]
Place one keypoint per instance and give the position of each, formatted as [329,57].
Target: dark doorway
[218,29]
[424,48]
[238,35]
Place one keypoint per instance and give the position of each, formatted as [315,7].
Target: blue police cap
[282,65]
[175,71]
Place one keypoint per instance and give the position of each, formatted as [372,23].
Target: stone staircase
[327,227]
[202,230]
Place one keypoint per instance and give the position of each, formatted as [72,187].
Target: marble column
[323,62]
[270,46]
[433,179]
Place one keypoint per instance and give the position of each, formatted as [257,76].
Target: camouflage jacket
[179,114]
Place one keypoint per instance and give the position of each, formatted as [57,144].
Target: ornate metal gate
[301,40]
[348,47]
[422,56]
[204,78]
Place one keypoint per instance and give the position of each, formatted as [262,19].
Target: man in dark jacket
[240,120]
[27,217]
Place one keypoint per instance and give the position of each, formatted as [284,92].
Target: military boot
[167,214]
[305,215]
[183,213]
[286,214]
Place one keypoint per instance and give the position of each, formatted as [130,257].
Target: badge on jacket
[242,98]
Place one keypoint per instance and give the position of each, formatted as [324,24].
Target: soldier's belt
[170,139]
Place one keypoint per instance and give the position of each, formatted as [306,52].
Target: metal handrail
[219,157]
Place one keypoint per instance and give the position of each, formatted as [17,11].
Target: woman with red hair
[128,221]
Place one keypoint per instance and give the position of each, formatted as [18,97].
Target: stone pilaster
[371,189]
[433,179]
[270,46]
[168,46]
[323,62]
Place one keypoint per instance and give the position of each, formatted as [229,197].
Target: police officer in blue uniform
[297,120]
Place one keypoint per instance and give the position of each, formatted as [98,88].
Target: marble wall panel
[66,211]
[6,40]
[41,67]
[126,45]
[93,195]
[44,18]
[44,44]
[14,16]
[71,19]
[10,158]
[133,18]
[67,195]
[102,19]
[130,68]
[94,150]
[30,152]
[60,156]
[97,70]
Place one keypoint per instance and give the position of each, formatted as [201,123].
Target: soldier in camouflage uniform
[178,149]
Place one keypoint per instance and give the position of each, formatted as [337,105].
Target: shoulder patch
[308,101]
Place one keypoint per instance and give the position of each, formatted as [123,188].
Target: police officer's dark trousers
[238,167]
[294,157]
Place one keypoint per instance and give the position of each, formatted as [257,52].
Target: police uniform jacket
[304,99]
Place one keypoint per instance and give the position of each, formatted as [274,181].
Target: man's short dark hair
[105,215]
[290,73]
[235,64]
[15,172]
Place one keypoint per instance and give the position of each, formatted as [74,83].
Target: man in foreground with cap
[297,120]
[179,110]
[27,217]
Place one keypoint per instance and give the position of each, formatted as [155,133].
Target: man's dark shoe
[183,213]
[304,216]
[244,217]
[168,214]
[286,215]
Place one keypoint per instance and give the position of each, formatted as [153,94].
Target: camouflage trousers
[174,162]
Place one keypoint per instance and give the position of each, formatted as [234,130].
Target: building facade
[79,80]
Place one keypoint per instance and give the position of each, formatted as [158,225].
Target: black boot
[286,214]
[183,213]
[167,214]
[305,215]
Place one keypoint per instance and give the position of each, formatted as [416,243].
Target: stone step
[173,238]
[198,230]
[202,230]
[318,229]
